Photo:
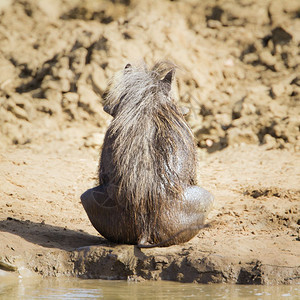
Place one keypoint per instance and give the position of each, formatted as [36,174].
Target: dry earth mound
[239,65]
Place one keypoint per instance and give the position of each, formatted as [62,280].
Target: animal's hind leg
[108,216]
[100,208]
[98,198]
[184,221]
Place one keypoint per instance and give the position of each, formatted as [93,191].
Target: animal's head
[136,88]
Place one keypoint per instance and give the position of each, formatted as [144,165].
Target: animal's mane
[147,131]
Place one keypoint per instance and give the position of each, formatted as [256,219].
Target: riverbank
[253,237]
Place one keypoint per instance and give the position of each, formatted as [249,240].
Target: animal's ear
[111,110]
[127,67]
[107,109]
[167,80]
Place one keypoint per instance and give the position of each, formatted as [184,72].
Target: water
[38,288]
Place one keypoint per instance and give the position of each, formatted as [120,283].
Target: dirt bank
[239,66]
[253,236]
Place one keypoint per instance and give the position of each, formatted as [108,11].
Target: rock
[65,85]
[7,73]
[296,92]
[69,98]
[238,136]
[250,58]
[14,134]
[267,58]
[223,119]
[99,80]
[60,85]
[50,7]
[69,104]
[248,108]
[77,59]
[48,107]
[269,141]
[53,95]
[281,36]
[18,112]
[65,73]
[95,140]
[279,130]
[237,109]
[215,24]
[6,117]
[296,81]
[88,100]
[6,266]
[209,142]
[277,90]
[278,110]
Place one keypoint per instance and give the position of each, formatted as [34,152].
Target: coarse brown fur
[148,160]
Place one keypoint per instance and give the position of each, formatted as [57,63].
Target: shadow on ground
[50,236]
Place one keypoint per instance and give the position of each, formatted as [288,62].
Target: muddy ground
[239,66]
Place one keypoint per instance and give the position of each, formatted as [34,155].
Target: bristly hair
[150,139]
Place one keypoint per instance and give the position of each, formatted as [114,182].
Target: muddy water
[37,288]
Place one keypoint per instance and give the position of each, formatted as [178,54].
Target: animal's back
[147,191]
[148,155]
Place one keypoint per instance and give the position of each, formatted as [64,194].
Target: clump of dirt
[239,65]
[270,192]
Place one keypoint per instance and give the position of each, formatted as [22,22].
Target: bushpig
[147,193]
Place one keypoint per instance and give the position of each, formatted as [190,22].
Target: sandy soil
[239,75]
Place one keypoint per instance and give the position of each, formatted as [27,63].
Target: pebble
[19,112]
[277,90]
